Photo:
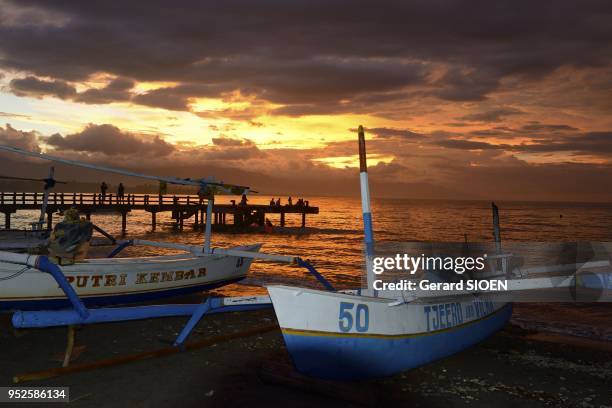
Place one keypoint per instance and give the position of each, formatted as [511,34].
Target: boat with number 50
[367,334]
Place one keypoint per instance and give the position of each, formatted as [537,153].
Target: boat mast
[367,212]
[497,238]
[496,229]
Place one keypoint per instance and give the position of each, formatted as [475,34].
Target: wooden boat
[121,280]
[344,336]
[353,335]
[368,333]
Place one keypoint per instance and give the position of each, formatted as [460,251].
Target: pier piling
[123,222]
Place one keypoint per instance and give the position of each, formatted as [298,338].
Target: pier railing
[29,198]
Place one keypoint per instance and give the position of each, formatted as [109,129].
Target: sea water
[332,240]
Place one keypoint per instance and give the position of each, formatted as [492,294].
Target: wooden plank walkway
[182,207]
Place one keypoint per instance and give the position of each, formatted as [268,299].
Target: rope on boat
[16,274]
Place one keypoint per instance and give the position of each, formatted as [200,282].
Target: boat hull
[394,338]
[101,282]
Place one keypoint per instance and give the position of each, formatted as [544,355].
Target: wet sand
[514,368]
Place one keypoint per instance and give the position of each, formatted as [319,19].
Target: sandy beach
[515,367]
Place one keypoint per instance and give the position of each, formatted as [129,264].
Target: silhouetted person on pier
[103,189]
[272,202]
[244,200]
[120,193]
[278,202]
[289,201]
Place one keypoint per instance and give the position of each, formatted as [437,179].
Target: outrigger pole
[367,212]
[207,186]
[171,180]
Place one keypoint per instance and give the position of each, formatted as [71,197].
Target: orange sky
[454,100]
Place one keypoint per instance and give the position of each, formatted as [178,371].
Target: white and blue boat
[351,336]
[344,336]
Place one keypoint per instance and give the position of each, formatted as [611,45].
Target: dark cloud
[10,136]
[591,143]
[112,141]
[382,169]
[32,86]
[163,98]
[305,55]
[530,130]
[461,85]
[468,145]
[543,127]
[391,132]
[228,141]
[497,131]
[116,90]
[493,115]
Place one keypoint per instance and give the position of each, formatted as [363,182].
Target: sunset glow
[435,113]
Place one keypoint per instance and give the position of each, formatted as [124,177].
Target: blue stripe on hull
[353,357]
[47,304]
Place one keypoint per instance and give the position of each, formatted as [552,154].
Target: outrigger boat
[108,281]
[122,280]
[369,333]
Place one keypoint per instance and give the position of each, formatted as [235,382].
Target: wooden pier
[183,207]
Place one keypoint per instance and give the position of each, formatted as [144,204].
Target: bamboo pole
[69,346]
[166,351]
